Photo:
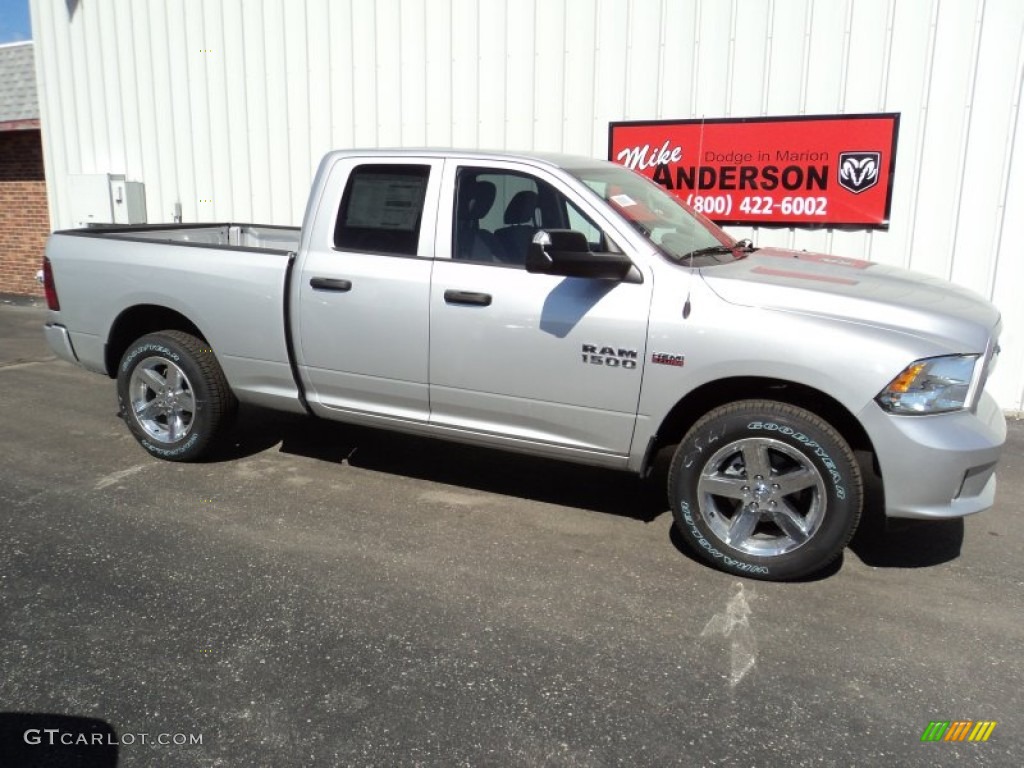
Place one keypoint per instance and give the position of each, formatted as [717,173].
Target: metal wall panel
[225,106]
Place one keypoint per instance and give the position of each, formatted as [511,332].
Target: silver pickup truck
[562,307]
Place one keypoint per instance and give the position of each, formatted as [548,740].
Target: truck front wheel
[173,395]
[764,489]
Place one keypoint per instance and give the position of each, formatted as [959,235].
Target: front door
[525,357]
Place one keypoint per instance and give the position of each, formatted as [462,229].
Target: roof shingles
[18,101]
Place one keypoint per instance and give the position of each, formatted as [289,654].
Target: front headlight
[933,385]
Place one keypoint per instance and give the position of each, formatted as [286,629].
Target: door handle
[467,297]
[330,284]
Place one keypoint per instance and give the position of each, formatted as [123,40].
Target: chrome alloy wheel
[162,399]
[762,496]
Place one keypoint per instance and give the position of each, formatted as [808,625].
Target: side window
[382,208]
[582,223]
[497,213]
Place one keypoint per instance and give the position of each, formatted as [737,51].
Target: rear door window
[382,209]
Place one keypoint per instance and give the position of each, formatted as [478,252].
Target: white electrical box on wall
[106,198]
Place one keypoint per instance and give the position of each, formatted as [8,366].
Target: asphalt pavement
[319,595]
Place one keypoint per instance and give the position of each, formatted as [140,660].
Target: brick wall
[24,216]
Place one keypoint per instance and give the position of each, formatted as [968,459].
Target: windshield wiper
[744,245]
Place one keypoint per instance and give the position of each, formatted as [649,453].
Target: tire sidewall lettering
[710,548]
[153,448]
[809,444]
[700,444]
[130,358]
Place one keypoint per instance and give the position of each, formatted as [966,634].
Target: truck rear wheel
[764,489]
[173,395]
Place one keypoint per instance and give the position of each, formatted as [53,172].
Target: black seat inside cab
[475,201]
[522,221]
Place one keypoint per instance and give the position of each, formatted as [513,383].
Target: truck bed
[257,236]
[228,279]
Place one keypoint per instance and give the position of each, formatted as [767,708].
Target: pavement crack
[115,477]
[24,362]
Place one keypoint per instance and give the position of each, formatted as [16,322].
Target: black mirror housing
[566,252]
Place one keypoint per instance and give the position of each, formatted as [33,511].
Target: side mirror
[567,253]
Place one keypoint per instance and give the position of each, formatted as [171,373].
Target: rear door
[523,357]
[362,321]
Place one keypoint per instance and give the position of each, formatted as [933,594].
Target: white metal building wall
[226,105]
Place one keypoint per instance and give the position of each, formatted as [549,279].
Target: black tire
[766,490]
[173,395]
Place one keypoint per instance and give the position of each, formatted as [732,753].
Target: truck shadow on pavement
[877,543]
[440,461]
[909,543]
[895,543]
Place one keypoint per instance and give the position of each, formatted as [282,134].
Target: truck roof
[553,159]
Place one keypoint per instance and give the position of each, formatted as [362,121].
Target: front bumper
[59,339]
[937,466]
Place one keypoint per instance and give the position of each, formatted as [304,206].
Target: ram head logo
[859,170]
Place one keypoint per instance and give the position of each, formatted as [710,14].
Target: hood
[858,291]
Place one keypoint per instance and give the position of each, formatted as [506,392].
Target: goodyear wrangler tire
[173,395]
[764,489]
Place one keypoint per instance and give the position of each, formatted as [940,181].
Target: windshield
[666,221]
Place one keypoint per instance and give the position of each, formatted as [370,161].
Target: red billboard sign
[800,171]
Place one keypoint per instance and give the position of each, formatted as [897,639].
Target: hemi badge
[663,358]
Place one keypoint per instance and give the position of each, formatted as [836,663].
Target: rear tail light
[48,286]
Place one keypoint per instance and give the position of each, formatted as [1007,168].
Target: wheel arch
[135,322]
[694,405]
